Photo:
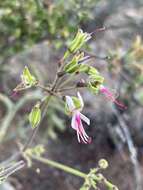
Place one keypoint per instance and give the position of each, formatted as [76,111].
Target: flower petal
[70,103]
[74,122]
[81,100]
[80,130]
[85,119]
[78,136]
[77,125]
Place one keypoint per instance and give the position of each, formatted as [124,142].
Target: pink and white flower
[77,118]
[104,90]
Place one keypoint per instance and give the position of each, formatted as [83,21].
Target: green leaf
[35,116]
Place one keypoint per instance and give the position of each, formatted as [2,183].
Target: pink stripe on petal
[84,137]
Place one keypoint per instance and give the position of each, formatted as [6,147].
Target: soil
[83,157]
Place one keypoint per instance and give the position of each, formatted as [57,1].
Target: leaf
[35,116]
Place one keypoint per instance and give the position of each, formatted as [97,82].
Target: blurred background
[35,33]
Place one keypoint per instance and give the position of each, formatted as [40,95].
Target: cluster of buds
[95,177]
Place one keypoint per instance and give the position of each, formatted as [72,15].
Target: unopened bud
[103,164]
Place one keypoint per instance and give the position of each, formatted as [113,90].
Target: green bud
[27,78]
[92,71]
[35,116]
[95,82]
[73,65]
[80,39]
[84,68]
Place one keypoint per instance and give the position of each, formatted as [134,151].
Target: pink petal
[78,136]
[80,130]
[77,125]
[73,122]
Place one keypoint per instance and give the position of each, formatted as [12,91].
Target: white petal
[70,103]
[81,100]
[73,122]
[78,136]
[84,118]
[83,139]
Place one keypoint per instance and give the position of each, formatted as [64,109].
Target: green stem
[59,166]
[31,138]
[70,88]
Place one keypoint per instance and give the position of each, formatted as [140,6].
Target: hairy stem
[51,92]
[31,138]
[59,166]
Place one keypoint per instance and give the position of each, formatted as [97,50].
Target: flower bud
[103,164]
[35,116]
[27,78]
[80,39]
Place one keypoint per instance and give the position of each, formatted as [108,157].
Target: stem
[96,56]
[66,89]
[51,91]
[57,76]
[67,80]
[31,138]
[59,166]
[70,88]
[46,90]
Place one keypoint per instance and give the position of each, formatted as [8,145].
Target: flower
[104,90]
[74,106]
